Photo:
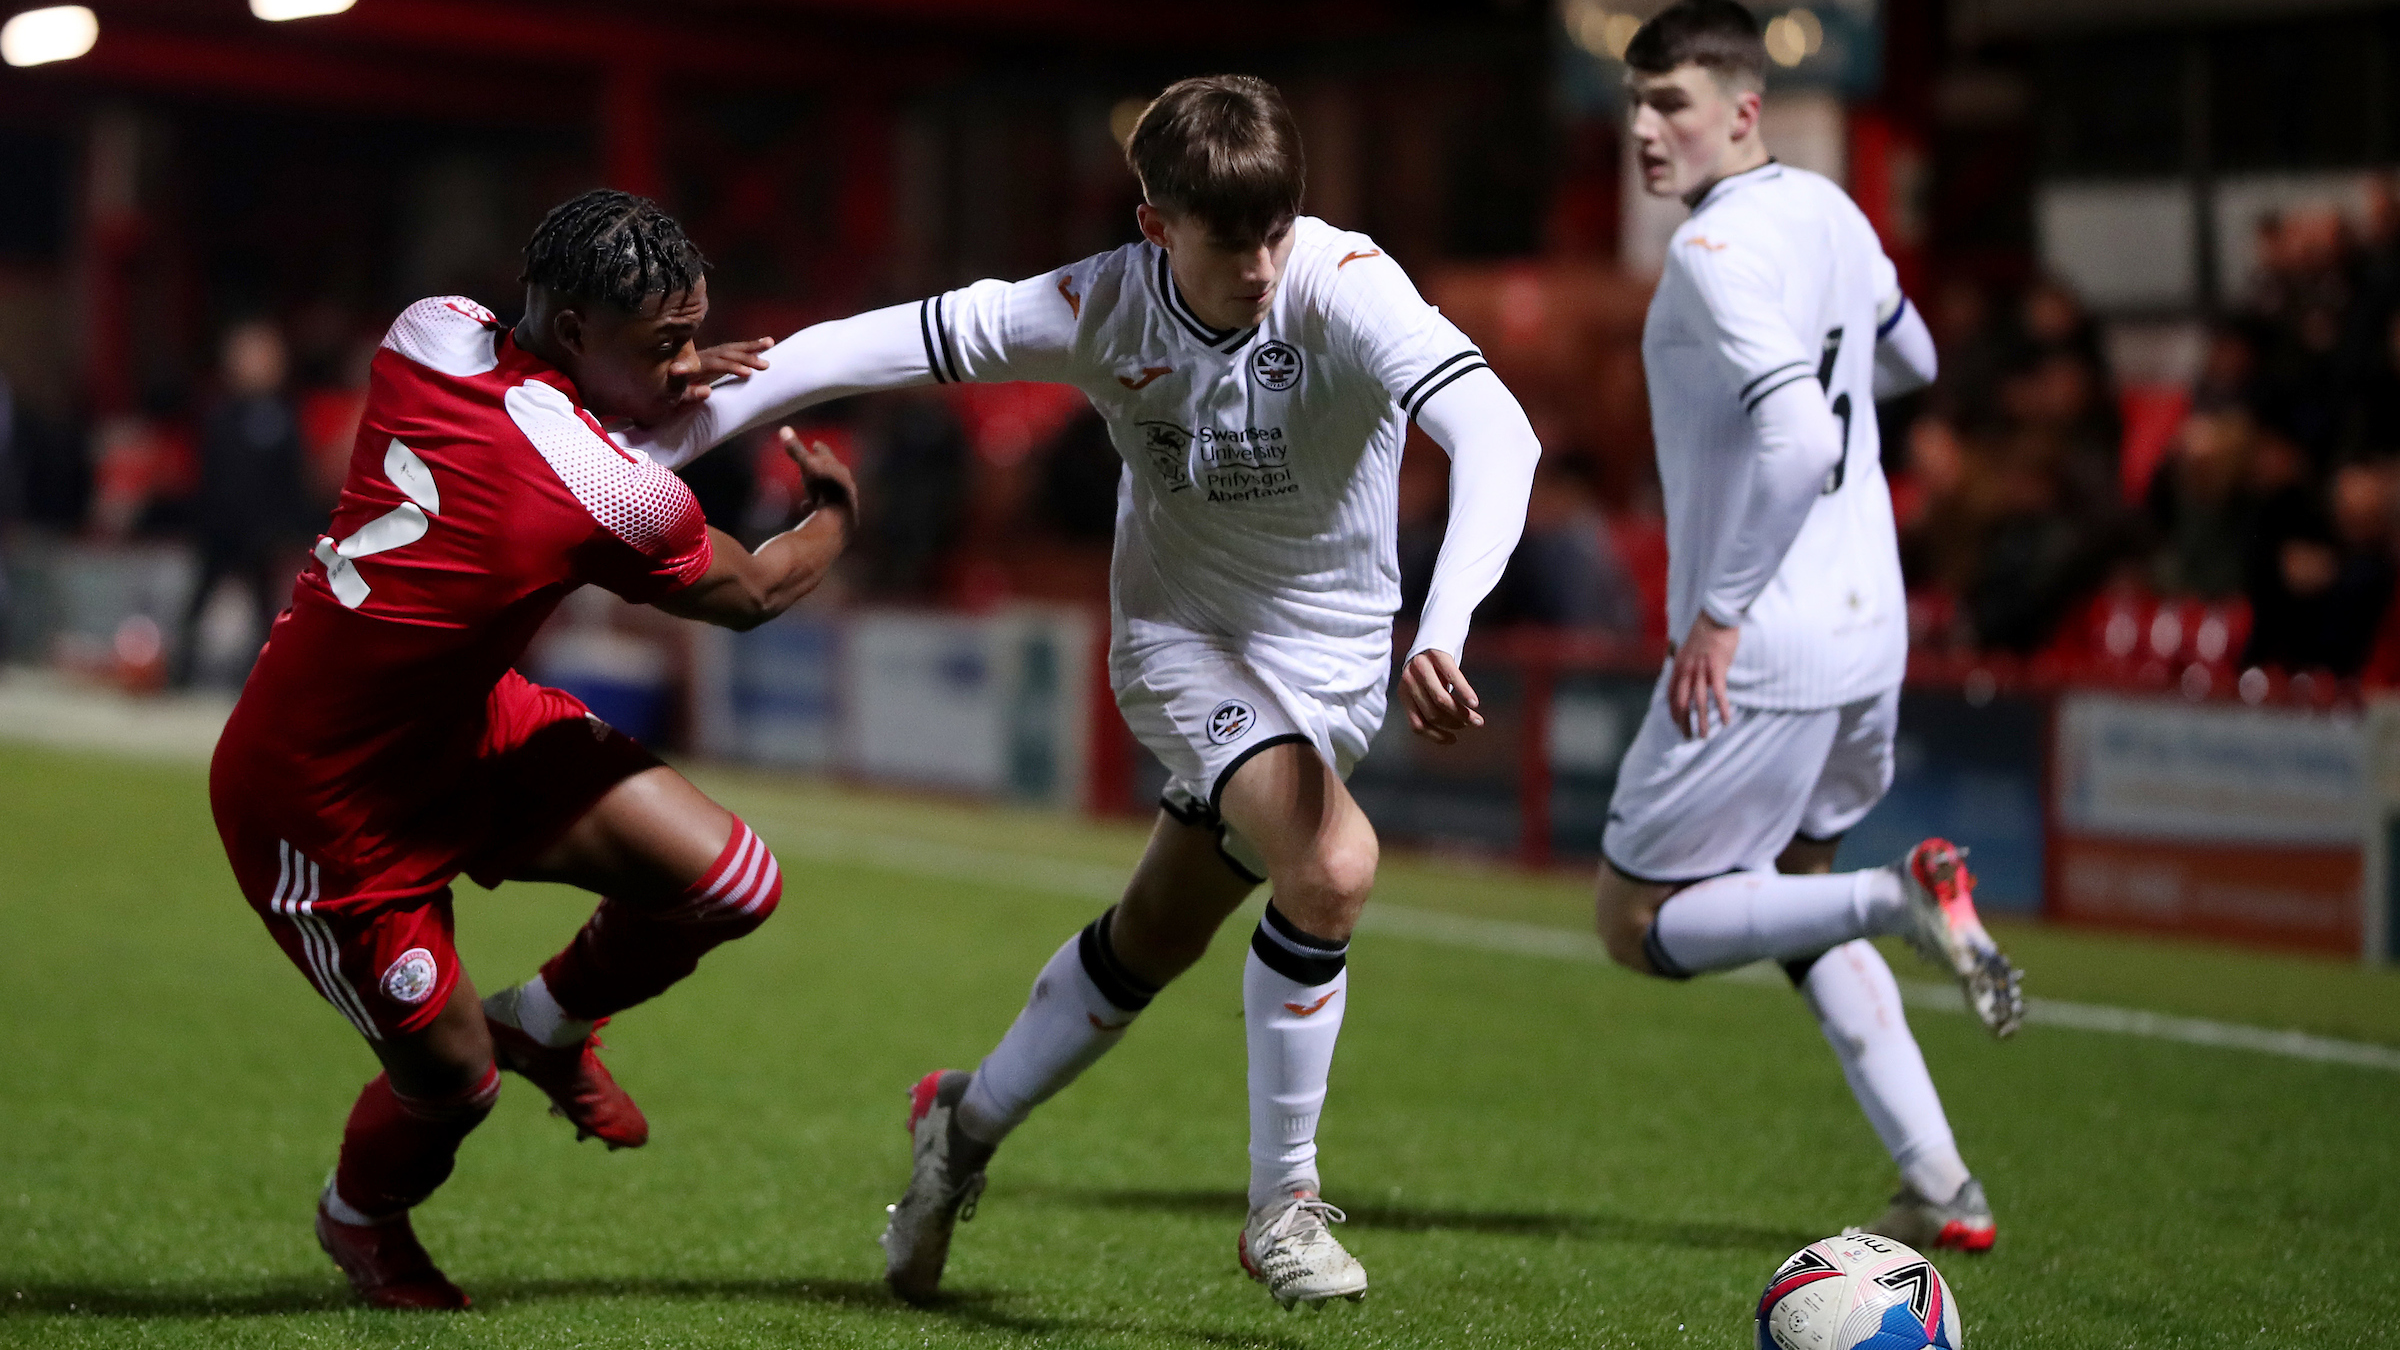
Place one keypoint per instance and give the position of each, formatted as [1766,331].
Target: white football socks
[1857,1002]
[1742,917]
[529,1008]
[1294,988]
[1068,1023]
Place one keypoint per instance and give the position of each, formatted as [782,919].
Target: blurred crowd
[2239,515]
[2041,496]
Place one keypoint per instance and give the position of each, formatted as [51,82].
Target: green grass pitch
[1532,1152]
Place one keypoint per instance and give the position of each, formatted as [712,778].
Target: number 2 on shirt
[399,527]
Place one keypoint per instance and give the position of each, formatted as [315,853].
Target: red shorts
[355,887]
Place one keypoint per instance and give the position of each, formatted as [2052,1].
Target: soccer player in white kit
[1776,324]
[1258,370]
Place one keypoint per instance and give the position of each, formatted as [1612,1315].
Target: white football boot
[1947,932]
[1963,1223]
[1289,1247]
[944,1182]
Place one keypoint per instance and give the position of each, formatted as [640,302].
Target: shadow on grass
[1232,1205]
[971,1310]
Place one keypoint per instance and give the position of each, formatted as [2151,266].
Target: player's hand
[704,368]
[1698,683]
[830,486]
[1441,703]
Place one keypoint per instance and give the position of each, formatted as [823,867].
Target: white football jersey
[1258,503]
[1778,278]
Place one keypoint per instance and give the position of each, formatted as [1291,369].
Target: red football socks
[627,954]
[397,1149]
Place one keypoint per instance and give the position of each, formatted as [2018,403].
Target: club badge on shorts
[410,979]
[1231,721]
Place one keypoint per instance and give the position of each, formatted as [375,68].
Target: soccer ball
[1860,1292]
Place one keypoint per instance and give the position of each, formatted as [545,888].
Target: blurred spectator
[252,510]
[50,469]
[1078,496]
[2371,427]
[329,408]
[2204,501]
[1566,572]
[2321,571]
[2015,512]
[143,467]
[916,489]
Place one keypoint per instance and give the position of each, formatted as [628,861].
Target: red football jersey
[479,494]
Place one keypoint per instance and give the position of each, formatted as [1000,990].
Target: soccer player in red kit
[384,744]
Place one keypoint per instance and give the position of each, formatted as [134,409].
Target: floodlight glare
[59,33]
[276,11]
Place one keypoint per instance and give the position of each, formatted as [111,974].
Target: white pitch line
[1096,882]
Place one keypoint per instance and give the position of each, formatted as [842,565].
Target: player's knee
[1625,946]
[1342,873]
[1623,924]
[461,1108]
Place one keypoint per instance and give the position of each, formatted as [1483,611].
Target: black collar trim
[1215,339]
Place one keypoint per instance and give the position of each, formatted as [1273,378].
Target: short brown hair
[1224,150]
[1719,36]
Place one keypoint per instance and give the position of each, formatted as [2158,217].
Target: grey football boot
[945,1180]
[1963,1223]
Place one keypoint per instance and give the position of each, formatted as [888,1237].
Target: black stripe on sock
[1297,955]
[1661,964]
[1117,984]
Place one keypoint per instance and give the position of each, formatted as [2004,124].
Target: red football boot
[387,1265]
[579,1086]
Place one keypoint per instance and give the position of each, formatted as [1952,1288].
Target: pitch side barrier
[2154,795]
[2145,793]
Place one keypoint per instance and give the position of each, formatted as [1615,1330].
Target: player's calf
[396,1151]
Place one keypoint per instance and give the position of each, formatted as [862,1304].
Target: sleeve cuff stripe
[1410,401]
[1786,366]
[925,330]
[1761,395]
[942,327]
[1884,328]
[1455,376]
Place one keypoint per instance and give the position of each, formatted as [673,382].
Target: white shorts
[1688,809]
[1204,710]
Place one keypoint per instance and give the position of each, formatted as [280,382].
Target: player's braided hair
[613,247]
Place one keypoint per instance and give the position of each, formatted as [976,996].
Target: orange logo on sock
[1311,1010]
[1098,1025]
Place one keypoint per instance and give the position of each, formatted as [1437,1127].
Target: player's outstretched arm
[1492,452]
[741,590]
[880,349]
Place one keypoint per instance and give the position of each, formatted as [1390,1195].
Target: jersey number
[399,527]
[1841,409]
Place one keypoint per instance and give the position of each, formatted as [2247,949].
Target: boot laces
[1306,1217]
